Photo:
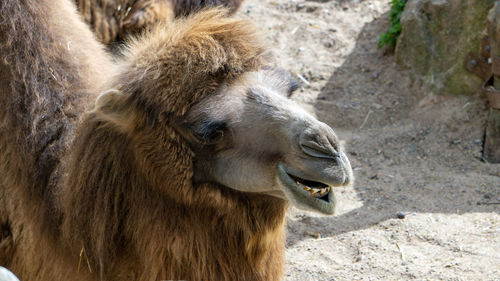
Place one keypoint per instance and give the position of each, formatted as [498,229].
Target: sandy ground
[414,154]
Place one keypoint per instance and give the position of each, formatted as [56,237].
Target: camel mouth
[316,189]
[307,194]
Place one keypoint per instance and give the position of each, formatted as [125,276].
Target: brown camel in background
[114,20]
[175,162]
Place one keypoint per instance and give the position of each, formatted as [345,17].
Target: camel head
[208,102]
[250,137]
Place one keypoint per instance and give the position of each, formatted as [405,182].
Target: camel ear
[282,80]
[108,101]
[109,106]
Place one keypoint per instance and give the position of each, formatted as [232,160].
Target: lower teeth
[315,192]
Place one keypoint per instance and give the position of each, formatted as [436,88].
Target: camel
[175,161]
[114,20]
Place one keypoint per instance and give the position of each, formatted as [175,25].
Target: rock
[436,37]
[488,195]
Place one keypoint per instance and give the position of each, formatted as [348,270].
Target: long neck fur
[211,234]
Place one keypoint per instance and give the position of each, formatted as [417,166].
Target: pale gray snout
[320,141]
[323,159]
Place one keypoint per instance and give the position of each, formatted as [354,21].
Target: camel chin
[301,195]
[311,193]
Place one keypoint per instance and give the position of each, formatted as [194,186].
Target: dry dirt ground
[414,153]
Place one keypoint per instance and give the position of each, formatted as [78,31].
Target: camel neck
[241,239]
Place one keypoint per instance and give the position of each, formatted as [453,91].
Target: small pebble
[316,235]
[311,9]
[400,215]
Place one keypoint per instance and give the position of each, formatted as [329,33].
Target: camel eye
[211,132]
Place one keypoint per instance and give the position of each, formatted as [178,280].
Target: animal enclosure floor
[414,153]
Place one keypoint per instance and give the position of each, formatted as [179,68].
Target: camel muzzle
[306,194]
[309,176]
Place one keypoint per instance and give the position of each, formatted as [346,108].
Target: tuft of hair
[170,68]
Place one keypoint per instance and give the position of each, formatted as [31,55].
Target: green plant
[391,36]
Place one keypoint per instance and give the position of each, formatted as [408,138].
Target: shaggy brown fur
[122,205]
[113,20]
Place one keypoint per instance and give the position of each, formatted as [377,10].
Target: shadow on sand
[410,153]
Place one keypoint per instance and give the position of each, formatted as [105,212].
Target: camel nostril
[334,144]
[316,150]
